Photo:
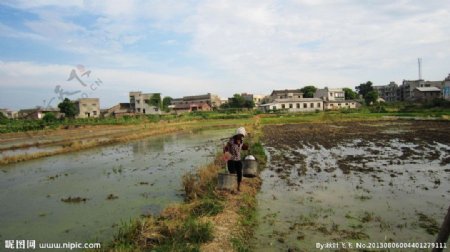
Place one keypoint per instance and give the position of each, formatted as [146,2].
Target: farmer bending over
[234,147]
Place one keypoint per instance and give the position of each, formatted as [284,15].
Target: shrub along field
[21,125]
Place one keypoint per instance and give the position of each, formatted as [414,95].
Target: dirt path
[226,224]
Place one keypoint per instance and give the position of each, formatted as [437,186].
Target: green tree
[371,97]
[249,104]
[350,94]
[49,117]
[308,91]
[155,100]
[2,116]
[166,101]
[364,88]
[237,101]
[68,108]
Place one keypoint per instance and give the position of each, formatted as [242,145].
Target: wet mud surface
[353,181]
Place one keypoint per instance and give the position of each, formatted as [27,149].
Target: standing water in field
[84,196]
[348,182]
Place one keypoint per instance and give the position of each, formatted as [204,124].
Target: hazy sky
[192,47]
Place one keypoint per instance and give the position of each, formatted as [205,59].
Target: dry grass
[228,224]
[203,182]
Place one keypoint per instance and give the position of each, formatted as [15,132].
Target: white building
[291,101]
[88,107]
[334,98]
[139,103]
[294,105]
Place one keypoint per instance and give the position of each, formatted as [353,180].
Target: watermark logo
[78,74]
[31,244]
[20,244]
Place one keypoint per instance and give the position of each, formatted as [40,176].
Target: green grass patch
[247,220]
[240,245]
[194,231]
[207,207]
[187,237]
[127,235]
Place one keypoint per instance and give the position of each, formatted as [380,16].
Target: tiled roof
[275,92]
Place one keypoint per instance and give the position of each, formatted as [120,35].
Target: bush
[257,150]
[437,103]
[348,110]
[154,118]
[49,117]
[3,118]
[377,108]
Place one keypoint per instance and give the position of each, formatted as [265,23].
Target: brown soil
[331,135]
[315,135]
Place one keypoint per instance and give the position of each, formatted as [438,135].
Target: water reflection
[150,145]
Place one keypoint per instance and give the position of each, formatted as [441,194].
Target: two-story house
[334,98]
[139,103]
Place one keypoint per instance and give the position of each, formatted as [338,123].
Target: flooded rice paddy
[84,196]
[343,182]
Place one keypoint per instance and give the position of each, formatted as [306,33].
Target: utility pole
[419,61]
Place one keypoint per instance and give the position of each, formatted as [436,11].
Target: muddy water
[394,187]
[142,176]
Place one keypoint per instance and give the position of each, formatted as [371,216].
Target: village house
[119,110]
[389,93]
[408,86]
[408,89]
[139,103]
[191,107]
[88,107]
[9,114]
[257,99]
[285,94]
[212,100]
[38,113]
[422,94]
[334,98]
[291,100]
